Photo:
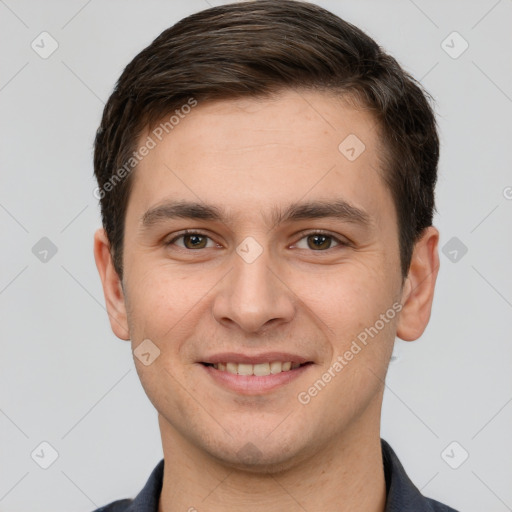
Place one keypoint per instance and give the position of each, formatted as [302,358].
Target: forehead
[255,152]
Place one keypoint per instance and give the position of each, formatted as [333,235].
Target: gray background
[66,379]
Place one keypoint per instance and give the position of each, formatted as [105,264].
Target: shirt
[401,494]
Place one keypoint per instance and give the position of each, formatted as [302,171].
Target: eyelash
[340,243]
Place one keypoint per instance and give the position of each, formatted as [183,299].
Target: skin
[251,157]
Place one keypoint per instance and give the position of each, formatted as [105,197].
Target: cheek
[354,308]
[168,304]
[349,297]
[158,300]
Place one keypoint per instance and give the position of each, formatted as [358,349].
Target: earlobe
[112,289]
[418,289]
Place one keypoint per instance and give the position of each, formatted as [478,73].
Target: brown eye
[318,242]
[192,241]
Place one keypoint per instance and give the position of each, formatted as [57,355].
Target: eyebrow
[339,209]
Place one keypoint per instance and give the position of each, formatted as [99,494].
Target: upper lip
[267,357]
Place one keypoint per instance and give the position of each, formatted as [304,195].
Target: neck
[347,475]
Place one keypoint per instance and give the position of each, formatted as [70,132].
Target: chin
[258,457]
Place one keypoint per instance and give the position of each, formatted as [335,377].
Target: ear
[418,289]
[112,289]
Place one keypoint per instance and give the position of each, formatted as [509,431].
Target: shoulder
[147,499]
[116,506]
[402,494]
[436,506]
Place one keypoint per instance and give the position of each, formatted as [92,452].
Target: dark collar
[402,494]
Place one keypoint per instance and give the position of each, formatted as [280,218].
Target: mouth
[255,375]
[258,369]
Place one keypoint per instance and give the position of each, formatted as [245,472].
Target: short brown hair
[258,48]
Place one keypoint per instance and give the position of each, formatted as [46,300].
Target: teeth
[231,368]
[276,367]
[245,369]
[260,369]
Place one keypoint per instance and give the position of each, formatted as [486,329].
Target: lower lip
[252,384]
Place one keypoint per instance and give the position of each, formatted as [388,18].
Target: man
[266,175]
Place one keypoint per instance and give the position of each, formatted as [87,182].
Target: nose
[253,296]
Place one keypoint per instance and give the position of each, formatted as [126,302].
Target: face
[290,254]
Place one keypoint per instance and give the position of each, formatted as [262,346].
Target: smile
[255,378]
[260,369]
